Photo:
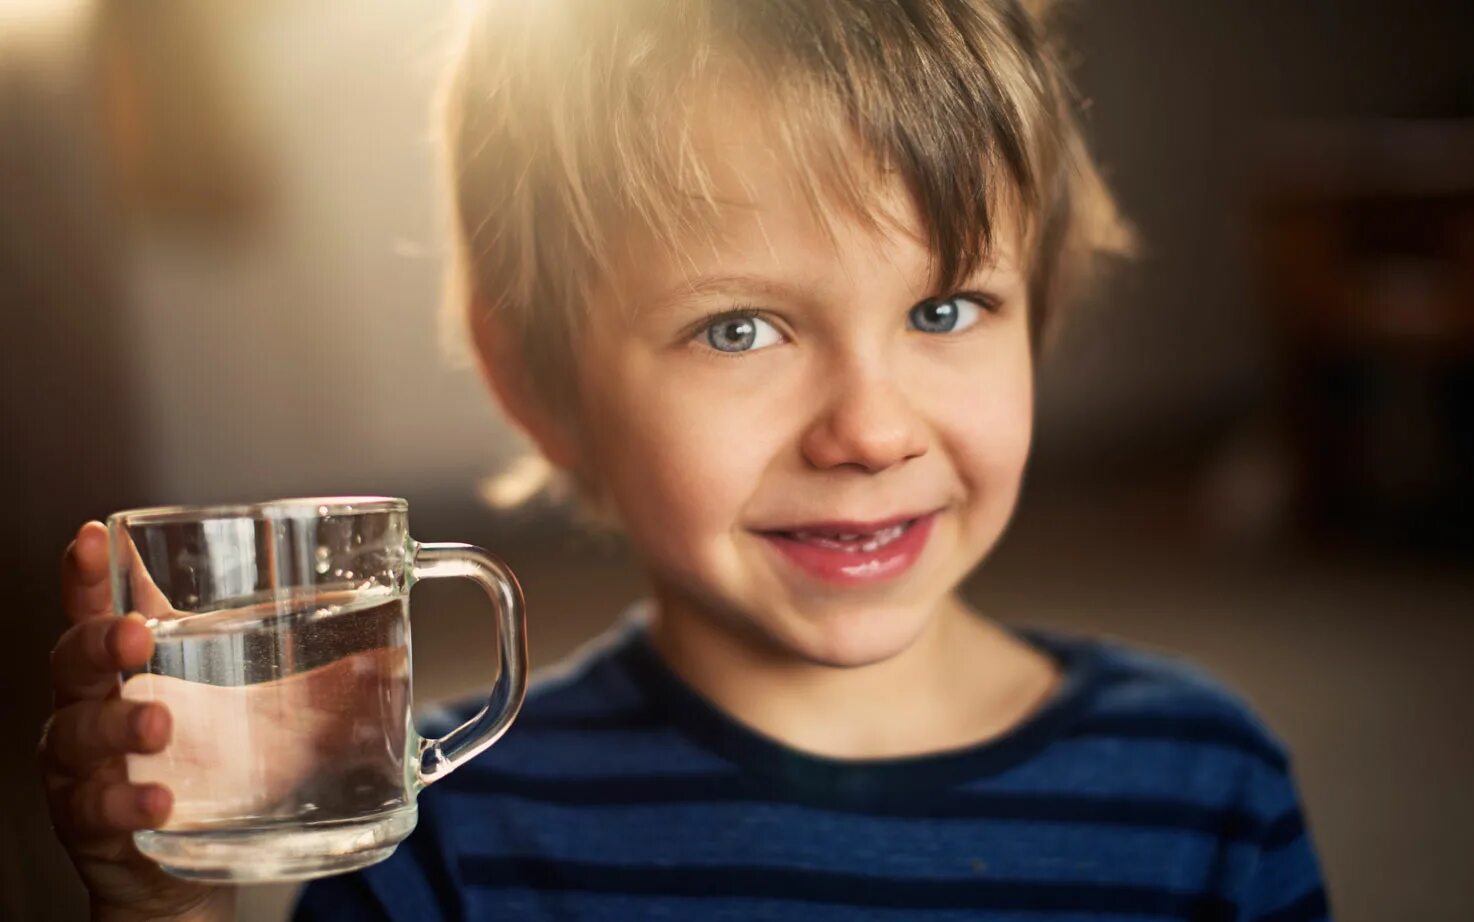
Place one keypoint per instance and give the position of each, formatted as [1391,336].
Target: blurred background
[220,257]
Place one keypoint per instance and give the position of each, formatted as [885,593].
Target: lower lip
[857,567]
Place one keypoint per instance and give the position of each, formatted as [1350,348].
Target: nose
[867,424]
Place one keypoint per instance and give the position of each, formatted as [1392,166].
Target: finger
[146,597]
[85,589]
[87,732]
[101,807]
[89,656]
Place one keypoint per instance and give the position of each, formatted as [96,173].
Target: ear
[504,368]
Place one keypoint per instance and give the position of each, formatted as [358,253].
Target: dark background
[219,265]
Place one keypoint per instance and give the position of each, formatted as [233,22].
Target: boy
[766,281]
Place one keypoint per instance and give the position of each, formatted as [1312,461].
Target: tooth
[864,542]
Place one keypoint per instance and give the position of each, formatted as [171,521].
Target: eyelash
[738,312]
[988,303]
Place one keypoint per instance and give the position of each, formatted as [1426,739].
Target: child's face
[837,399]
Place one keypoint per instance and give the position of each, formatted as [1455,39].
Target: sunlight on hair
[523,479]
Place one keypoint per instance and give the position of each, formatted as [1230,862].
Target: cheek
[680,460]
[989,428]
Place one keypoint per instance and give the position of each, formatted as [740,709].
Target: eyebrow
[761,286]
[707,284]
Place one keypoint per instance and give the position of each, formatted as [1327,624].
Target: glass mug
[282,650]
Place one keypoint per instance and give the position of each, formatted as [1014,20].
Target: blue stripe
[1198,729]
[1183,728]
[772,834]
[754,882]
[731,787]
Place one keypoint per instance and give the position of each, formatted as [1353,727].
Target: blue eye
[944,315]
[741,333]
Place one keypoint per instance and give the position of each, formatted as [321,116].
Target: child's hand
[93,806]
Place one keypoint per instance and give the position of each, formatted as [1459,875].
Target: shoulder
[1222,757]
[1180,749]
[1144,695]
[1164,737]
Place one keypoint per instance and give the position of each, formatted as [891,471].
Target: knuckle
[111,724]
[100,806]
[93,644]
[96,732]
[63,646]
[84,806]
[74,641]
[83,734]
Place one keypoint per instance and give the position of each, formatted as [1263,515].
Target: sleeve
[1282,881]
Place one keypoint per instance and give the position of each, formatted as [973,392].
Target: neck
[963,681]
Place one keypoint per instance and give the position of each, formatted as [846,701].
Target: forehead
[767,214]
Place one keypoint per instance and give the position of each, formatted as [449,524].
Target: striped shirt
[1140,791]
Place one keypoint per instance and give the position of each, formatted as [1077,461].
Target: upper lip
[848,526]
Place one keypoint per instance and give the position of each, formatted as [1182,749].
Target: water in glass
[290,755]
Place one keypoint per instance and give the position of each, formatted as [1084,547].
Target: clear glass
[282,649]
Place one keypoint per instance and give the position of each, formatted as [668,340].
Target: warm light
[522,480]
[32,13]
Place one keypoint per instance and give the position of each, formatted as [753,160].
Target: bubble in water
[322,560]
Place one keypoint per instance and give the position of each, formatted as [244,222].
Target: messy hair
[570,124]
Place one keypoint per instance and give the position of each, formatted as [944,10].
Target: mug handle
[440,757]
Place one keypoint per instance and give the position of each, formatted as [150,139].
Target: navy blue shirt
[1141,790]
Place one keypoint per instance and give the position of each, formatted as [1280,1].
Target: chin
[851,640]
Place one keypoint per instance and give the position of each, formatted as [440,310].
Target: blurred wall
[1182,96]
[299,352]
[67,406]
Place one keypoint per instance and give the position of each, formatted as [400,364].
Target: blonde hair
[571,122]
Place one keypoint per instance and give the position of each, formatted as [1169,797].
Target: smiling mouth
[853,552]
[854,536]
[854,542]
